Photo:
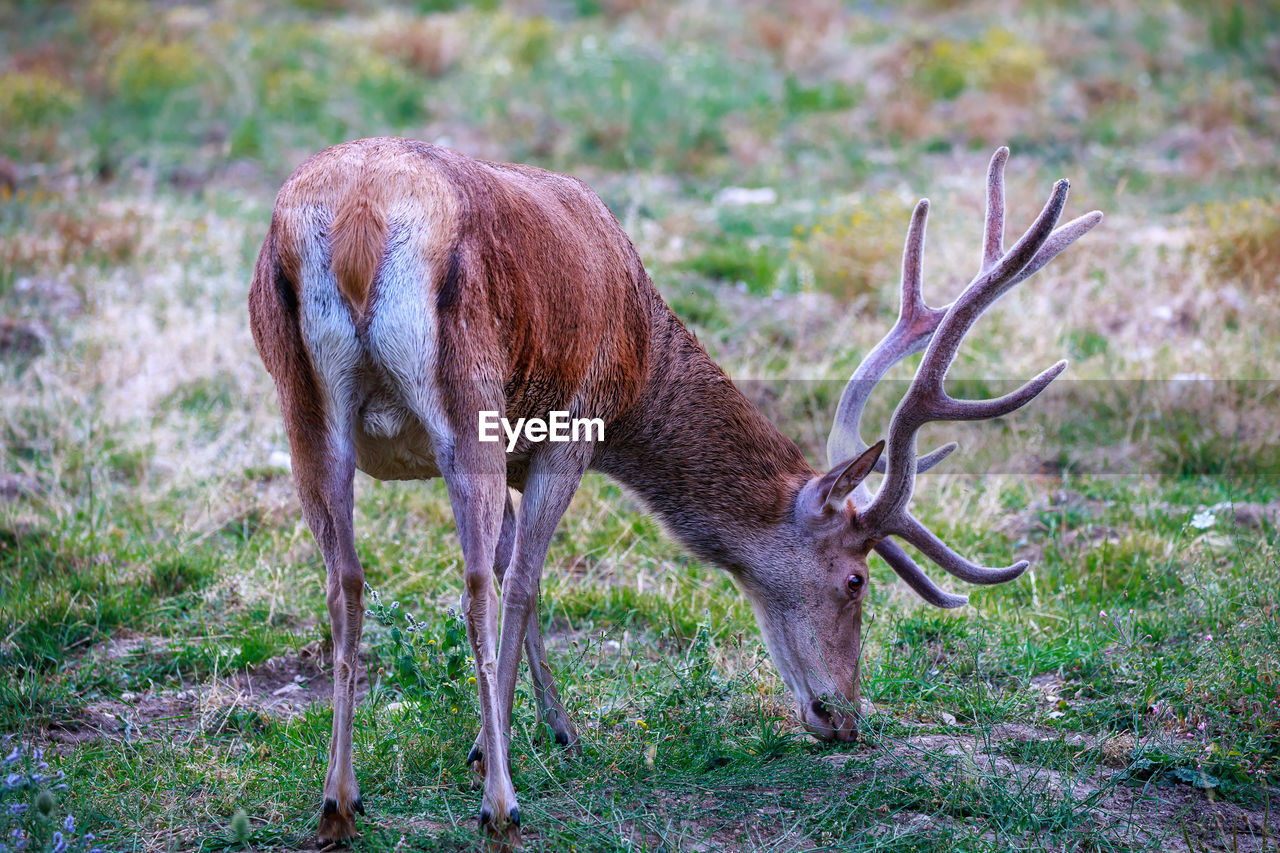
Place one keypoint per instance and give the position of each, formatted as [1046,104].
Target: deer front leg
[554,477]
[324,472]
[550,709]
[547,698]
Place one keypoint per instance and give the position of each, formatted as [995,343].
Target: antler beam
[939,332]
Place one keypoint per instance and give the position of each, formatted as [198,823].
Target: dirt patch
[16,486]
[285,686]
[1122,813]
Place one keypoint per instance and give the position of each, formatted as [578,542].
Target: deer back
[400,278]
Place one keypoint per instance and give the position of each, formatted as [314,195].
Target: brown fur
[273,319]
[543,303]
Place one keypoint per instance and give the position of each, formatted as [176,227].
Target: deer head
[809,588]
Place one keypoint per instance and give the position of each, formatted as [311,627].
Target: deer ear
[840,481]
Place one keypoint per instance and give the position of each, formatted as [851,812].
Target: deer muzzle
[830,720]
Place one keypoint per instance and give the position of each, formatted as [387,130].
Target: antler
[910,334]
[939,332]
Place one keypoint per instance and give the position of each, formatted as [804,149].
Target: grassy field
[163,635]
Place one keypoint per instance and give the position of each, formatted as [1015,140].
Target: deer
[405,288]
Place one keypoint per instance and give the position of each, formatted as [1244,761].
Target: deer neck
[717,473]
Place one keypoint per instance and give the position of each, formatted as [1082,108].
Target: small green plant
[854,252]
[147,71]
[239,827]
[428,661]
[32,99]
[997,61]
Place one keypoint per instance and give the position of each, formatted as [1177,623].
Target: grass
[163,633]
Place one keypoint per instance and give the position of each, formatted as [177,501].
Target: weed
[1241,241]
[997,61]
[29,806]
[853,253]
[147,71]
[428,661]
[31,100]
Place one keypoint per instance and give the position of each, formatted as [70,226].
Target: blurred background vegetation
[764,157]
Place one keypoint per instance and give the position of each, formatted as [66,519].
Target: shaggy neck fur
[699,454]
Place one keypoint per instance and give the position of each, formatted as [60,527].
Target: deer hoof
[504,837]
[336,824]
[568,738]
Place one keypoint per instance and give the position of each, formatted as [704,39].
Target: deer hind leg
[476,478]
[325,488]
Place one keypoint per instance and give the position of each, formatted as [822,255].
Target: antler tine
[911,333]
[1062,237]
[993,227]
[994,282]
[915,577]
[935,549]
[951,409]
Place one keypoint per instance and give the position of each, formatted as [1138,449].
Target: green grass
[162,620]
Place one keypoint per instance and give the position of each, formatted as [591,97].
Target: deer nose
[828,723]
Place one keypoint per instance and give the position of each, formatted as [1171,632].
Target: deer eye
[854,584]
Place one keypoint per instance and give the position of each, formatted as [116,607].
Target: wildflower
[1208,638]
[642,725]
[13,780]
[59,845]
[1102,614]
[471,679]
[13,757]
[69,824]
[1203,520]
[17,808]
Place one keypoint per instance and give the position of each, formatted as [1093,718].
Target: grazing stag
[405,291]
